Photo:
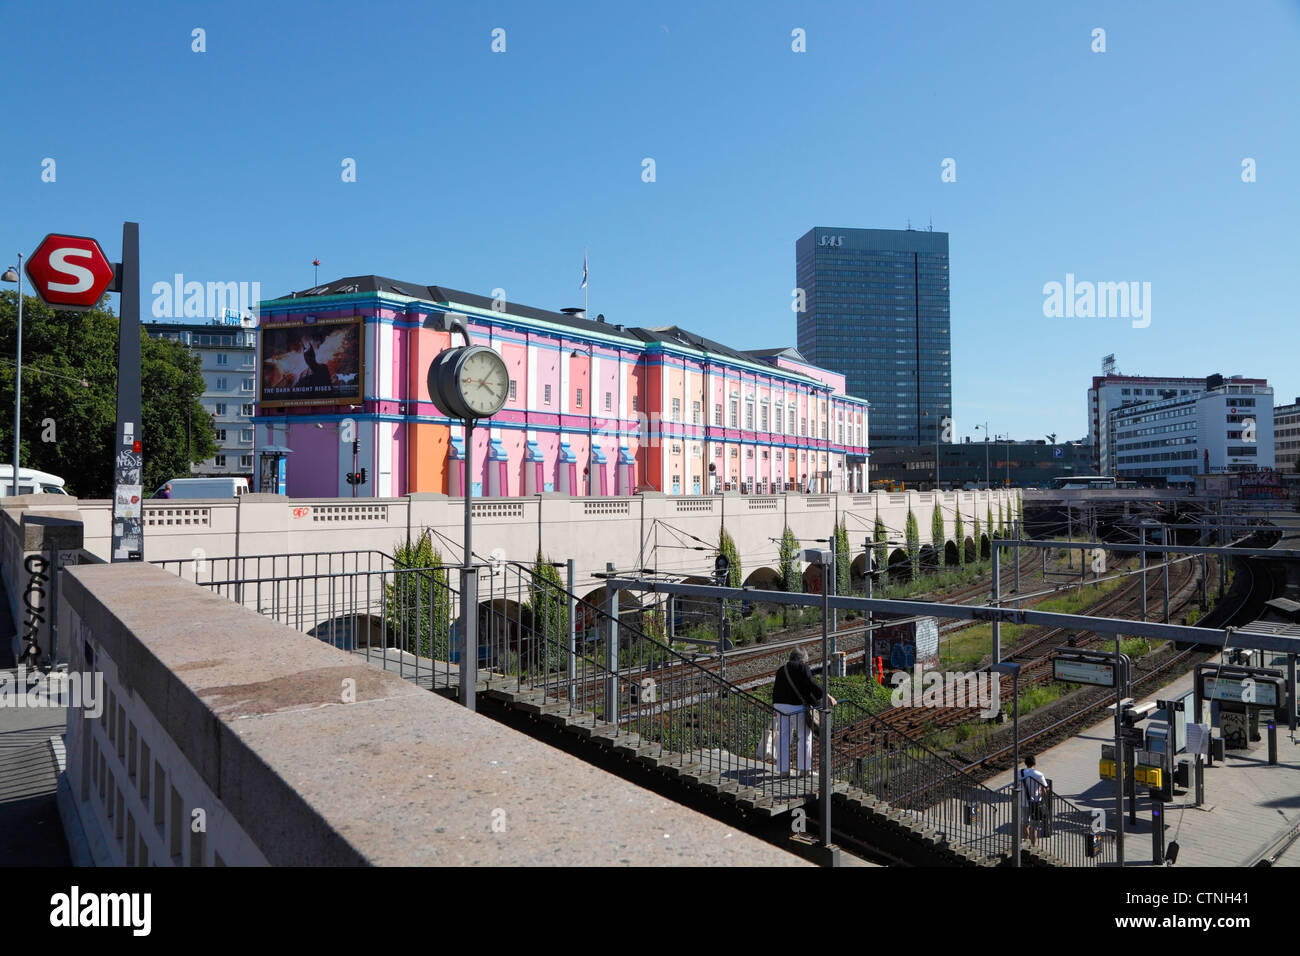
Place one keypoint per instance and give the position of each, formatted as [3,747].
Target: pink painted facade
[593,408]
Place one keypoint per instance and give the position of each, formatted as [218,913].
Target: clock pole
[468,586]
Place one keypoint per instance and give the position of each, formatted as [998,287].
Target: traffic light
[361,478]
[352,478]
[356,446]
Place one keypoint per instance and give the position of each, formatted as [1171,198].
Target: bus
[1077,482]
[887,484]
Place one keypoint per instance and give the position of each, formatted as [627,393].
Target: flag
[583,284]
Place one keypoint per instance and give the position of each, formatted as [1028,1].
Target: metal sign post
[128,463]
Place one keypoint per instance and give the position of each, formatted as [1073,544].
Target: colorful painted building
[593,407]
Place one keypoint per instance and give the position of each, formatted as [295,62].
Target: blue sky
[481,170]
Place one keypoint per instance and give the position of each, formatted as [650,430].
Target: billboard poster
[317,363]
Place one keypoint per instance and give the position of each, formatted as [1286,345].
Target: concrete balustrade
[227,739]
[647,530]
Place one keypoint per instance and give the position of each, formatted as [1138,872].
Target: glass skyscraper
[876,311]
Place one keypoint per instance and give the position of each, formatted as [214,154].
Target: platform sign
[1256,691]
[1083,672]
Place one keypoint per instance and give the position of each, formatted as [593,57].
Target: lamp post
[987,482]
[1012,668]
[16,275]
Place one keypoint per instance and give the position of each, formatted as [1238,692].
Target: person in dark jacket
[794,692]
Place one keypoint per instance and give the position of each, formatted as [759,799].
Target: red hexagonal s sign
[69,272]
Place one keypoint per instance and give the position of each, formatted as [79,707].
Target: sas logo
[831,241]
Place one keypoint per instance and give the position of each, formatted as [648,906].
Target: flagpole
[585,292]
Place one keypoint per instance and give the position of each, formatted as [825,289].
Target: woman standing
[793,694]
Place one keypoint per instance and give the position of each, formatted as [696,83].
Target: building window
[512,388]
[636,403]
[220,461]
[221,408]
[223,384]
[734,411]
[246,435]
[749,416]
[803,427]
[717,414]
[221,434]
[791,428]
[762,417]
[247,409]
[245,461]
[223,358]
[609,401]
[677,410]
[579,404]
[546,394]
[696,413]
[247,386]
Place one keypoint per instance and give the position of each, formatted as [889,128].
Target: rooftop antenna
[315,272]
[909,223]
[931,229]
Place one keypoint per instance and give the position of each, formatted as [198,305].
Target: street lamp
[1012,668]
[16,275]
[987,483]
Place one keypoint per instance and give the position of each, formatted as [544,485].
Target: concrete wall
[648,530]
[221,738]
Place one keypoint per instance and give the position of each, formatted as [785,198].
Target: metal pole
[1198,768]
[996,602]
[1119,758]
[1291,702]
[825,743]
[1016,531]
[570,576]
[866,638]
[611,648]
[832,586]
[1019,777]
[1143,556]
[18,372]
[1164,571]
[468,586]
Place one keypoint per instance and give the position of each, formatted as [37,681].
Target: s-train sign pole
[70,273]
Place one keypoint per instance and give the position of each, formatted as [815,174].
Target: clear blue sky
[478,170]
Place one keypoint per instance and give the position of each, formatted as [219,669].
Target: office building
[1109,392]
[875,310]
[1226,427]
[227,349]
[1286,434]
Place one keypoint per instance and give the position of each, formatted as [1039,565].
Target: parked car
[30,482]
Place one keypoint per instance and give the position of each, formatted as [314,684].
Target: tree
[978,554]
[937,531]
[418,602]
[843,561]
[69,428]
[550,609]
[959,532]
[727,547]
[880,536]
[791,579]
[989,526]
[1020,512]
[913,537]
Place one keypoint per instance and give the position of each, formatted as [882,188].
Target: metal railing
[1073,834]
[573,658]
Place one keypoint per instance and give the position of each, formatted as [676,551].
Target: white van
[30,482]
[205,487]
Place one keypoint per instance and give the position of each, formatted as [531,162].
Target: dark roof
[789,352]
[676,335]
[351,285]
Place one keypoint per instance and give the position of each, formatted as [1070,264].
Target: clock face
[483,382]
